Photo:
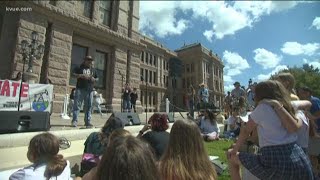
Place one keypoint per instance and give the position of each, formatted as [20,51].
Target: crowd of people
[117,154]
[282,119]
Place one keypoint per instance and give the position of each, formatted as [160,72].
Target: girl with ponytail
[47,163]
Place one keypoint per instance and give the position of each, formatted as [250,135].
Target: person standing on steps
[86,77]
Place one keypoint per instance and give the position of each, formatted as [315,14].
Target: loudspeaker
[128,118]
[24,121]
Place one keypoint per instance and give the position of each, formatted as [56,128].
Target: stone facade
[201,65]
[107,27]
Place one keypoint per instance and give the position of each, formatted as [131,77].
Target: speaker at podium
[128,118]
[24,121]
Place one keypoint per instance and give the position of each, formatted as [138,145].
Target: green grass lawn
[218,148]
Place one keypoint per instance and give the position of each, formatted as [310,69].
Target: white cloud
[234,63]
[161,20]
[225,18]
[294,48]
[208,34]
[316,23]
[262,77]
[227,78]
[266,58]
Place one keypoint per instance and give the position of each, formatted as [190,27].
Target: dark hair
[159,122]
[211,115]
[111,124]
[272,89]
[185,156]
[307,89]
[127,158]
[44,148]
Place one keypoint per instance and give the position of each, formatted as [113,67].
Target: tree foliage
[307,75]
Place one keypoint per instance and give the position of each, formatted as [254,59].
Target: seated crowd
[279,122]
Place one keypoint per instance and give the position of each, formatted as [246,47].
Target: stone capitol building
[109,32]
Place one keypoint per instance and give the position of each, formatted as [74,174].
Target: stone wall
[8,41]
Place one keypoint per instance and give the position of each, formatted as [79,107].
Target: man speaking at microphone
[86,77]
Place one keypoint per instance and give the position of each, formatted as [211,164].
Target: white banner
[34,97]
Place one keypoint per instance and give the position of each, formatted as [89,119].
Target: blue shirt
[315,107]
[203,94]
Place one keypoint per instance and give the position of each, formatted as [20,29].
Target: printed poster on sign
[34,97]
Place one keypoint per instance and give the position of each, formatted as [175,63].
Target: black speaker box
[24,121]
[128,118]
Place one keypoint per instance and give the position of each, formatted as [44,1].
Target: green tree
[307,75]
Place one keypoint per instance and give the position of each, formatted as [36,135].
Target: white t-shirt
[30,173]
[270,129]
[303,131]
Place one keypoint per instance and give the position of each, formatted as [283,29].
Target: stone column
[59,62]
[118,68]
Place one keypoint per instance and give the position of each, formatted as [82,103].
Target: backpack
[92,151]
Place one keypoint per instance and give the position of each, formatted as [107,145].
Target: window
[77,55]
[192,67]
[164,79]
[183,82]
[188,67]
[146,75]
[167,81]
[87,8]
[147,58]
[154,98]
[141,73]
[154,77]
[100,61]
[105,12]
[207,67]
[150,59]
[150,97]
[142,56]
[150,76]
[154,60]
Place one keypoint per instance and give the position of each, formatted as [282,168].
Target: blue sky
[253,38]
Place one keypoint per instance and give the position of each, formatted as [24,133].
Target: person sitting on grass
[234,122]
[279,157]
[208,126]
[46,162]
[185,157]
[158,137]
